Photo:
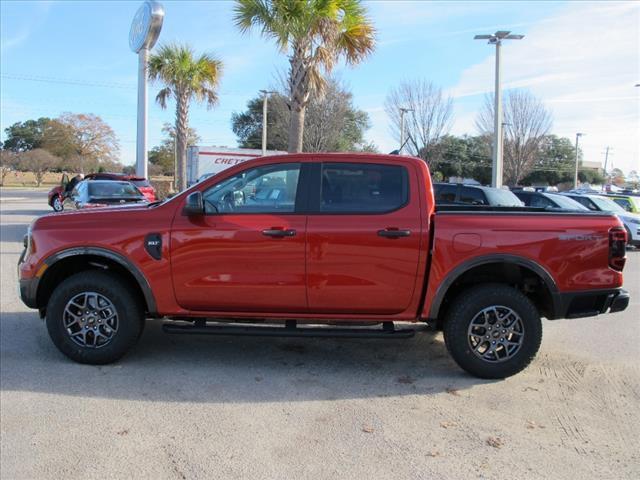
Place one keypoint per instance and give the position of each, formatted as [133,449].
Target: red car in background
[58,193]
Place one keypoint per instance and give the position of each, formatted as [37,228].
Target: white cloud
[583,62]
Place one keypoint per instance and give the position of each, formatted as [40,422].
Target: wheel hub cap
[90,319]
[495,334]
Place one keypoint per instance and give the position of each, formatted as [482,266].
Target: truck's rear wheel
[92,317]
[493,331]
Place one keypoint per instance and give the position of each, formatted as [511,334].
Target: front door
[364,240]
[247,253]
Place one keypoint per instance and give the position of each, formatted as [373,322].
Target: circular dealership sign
[146,26]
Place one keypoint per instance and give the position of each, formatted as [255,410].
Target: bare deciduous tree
[527,121]
[38,161]
[429,120]
[8,161]
[94,141]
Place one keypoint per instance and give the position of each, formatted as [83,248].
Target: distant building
[593,166]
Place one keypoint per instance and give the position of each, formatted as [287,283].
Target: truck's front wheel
[493,331]
[93,318]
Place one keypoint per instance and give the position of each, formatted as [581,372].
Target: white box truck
[209,161]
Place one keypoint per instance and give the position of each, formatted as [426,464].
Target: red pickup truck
[321,245]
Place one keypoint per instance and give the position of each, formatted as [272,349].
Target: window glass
[363,187]
[267,189]
[445,193]
[624,203]
[140,182]
[585,202]
[472,195]
[110,189]
[566,202]
[540,201]
[607,205]
[499,197]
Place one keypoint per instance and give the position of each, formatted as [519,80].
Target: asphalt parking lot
[194,407]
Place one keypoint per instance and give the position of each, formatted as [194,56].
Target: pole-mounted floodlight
[265,96]
[145,30]
[496,39]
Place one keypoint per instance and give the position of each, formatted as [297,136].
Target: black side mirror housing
[194,205]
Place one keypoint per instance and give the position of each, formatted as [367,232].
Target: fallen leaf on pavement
[367,429]
[495,442]
[448,424]
[531,425]
[433,453]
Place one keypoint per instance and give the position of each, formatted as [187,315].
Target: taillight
[617,248]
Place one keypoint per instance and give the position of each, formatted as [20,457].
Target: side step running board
[290,330]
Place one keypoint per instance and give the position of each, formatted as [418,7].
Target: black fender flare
[467,265]
[116,257]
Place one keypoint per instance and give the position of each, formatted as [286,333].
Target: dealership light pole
[265,97]
[143,35]
[575,178]
[496,39]
[402,112]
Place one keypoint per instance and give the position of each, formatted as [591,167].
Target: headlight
[635,221]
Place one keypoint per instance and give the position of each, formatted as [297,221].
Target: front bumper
[27,287]
[28,291]
[590,303]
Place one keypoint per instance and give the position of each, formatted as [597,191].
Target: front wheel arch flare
[64,264]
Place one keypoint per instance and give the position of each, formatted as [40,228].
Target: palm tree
[185,78]
[315,34]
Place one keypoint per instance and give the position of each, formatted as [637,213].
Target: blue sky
[581,58]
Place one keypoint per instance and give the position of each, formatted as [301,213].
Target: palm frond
[162,97]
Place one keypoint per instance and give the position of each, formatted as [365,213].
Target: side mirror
[194,205]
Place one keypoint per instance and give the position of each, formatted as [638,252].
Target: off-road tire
[469,304]
[129,310]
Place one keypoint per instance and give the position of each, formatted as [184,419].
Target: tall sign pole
[496,171]
[496,39]
[143,35]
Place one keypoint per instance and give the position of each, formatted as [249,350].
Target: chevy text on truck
[321,245]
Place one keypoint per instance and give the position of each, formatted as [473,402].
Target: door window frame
[302,196]
[315,194]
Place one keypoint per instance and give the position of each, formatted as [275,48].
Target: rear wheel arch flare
[498,269]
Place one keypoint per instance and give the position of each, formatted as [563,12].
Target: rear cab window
[363,188]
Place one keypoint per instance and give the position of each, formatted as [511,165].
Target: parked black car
[461,194]
[549,201]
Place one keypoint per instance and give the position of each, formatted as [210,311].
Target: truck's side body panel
[571,248]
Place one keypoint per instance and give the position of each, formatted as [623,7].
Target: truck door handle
[279,232]
[391,233]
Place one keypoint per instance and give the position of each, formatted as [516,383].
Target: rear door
[363,238]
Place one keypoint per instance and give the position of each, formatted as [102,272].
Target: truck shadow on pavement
[232,369]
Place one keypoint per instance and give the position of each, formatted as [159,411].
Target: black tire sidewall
[130,318]
[464,309]
[53,204]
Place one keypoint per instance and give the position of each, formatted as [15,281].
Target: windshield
[607,205]
[565,202]
[113,189]
[502,198]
